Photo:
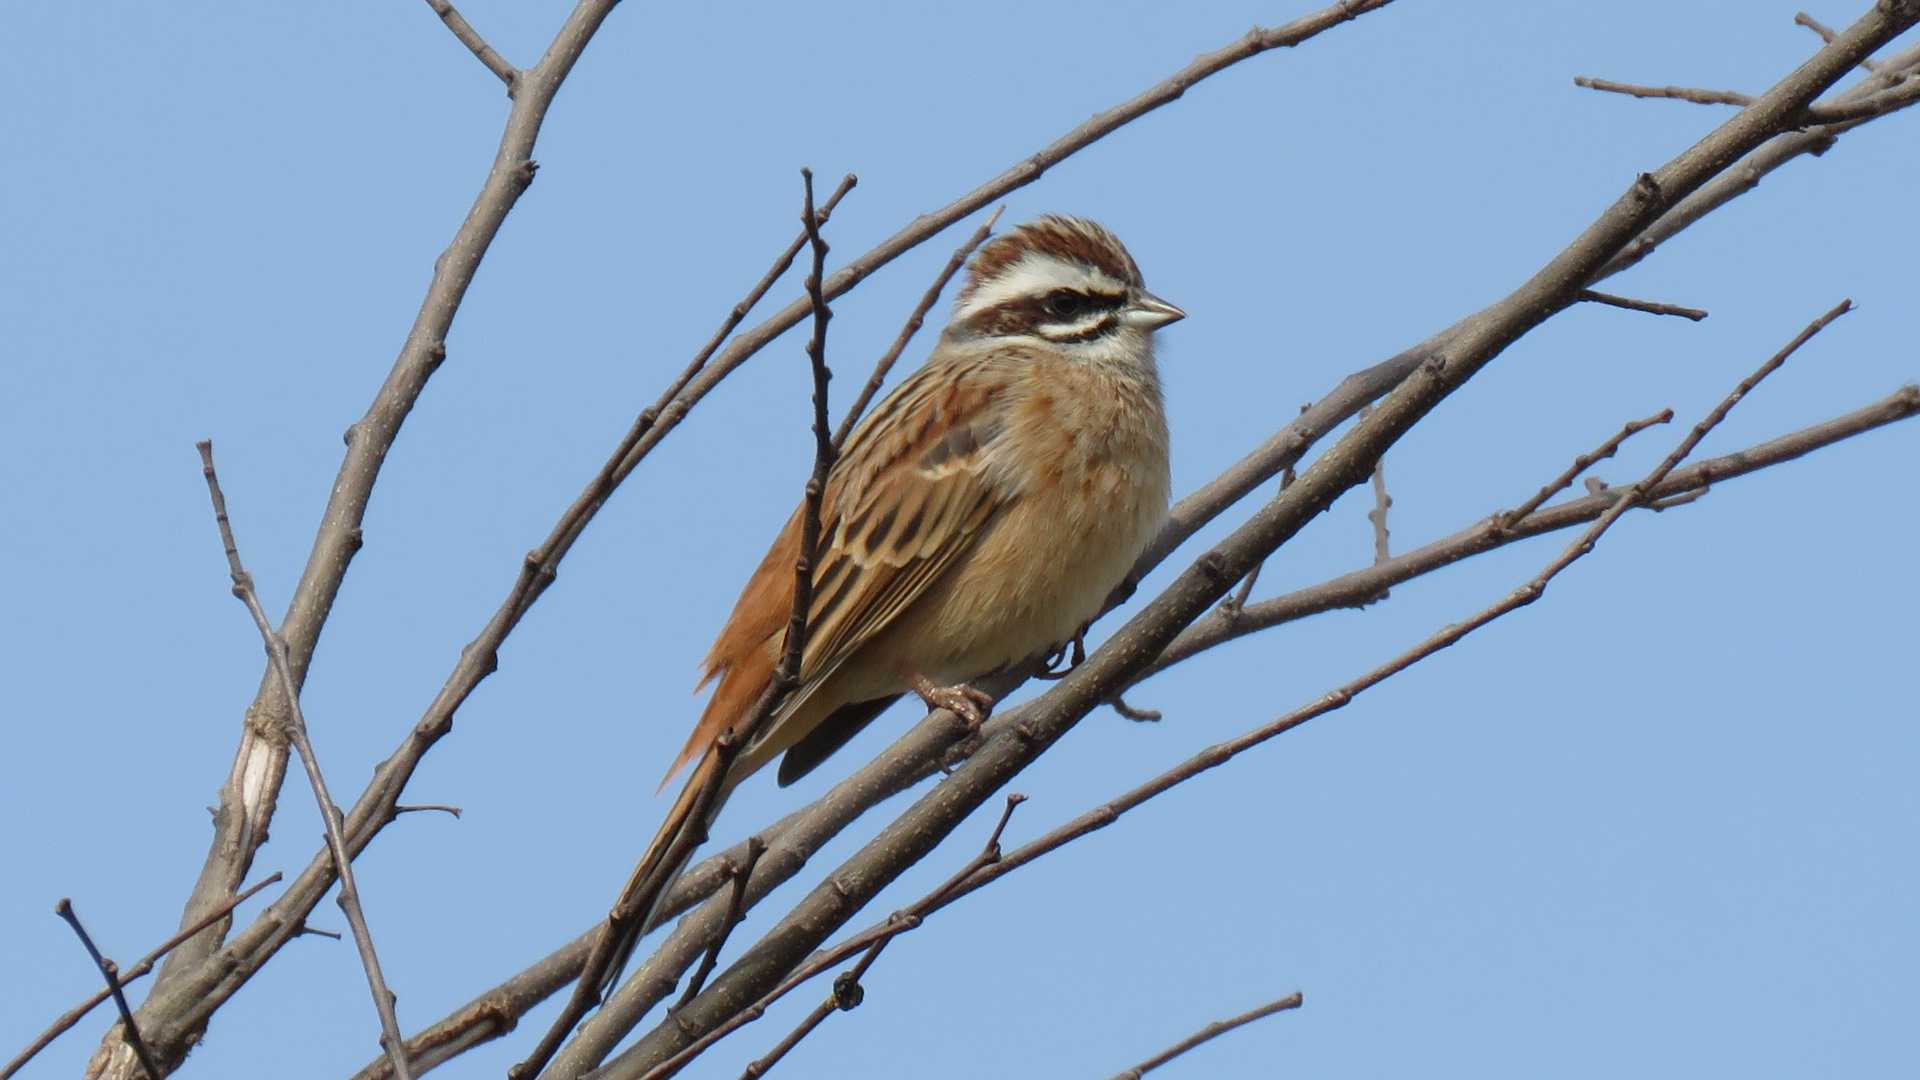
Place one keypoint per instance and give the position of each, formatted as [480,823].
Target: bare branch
[383,997]
[1746,386]
[1648,306]
[1827,35]
[1679,93]
[111,974]
[1580,465]
[736,910]
[1905,91]
[419,808]
[471,38]
[1208,1033]
[1137,715]
[1377,516]
[145,964]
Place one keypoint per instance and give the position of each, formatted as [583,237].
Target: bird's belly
[1005,604]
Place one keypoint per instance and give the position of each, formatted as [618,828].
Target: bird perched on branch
[978,515]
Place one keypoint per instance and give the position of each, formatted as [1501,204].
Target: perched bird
[978,515]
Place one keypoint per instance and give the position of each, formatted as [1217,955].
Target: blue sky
[1661,822]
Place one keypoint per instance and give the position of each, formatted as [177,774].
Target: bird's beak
[1149,312]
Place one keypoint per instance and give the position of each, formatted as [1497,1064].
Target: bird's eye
[1064,303]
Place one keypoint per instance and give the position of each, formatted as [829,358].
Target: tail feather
[671,849]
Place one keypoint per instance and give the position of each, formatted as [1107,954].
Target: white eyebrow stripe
[1034,275]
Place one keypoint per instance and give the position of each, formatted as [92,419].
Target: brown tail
[684,830]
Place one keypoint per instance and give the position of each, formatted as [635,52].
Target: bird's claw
[1058,662]
[969,703]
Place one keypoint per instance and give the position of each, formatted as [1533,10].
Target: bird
[978,517]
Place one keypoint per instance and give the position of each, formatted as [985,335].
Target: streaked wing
[909,498]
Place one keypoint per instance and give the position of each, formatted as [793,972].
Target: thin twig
[111,973]
[1378,515]
[1580,465]
[418,808]
[1134,712]
[912,327]
[1694,94]
[1827,35]
[471,38]
[1651,307]
[391,1038]
[847,991]
[736,910]
[145,964]
[1712,419]
[1904,91]
[825,451]
[1244,591]
[1208,1033]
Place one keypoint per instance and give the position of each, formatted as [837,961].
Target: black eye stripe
[1032,313]
[1105,324]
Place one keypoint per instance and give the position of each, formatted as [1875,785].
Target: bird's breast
[1086,455]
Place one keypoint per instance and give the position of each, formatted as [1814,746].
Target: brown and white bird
[978,515]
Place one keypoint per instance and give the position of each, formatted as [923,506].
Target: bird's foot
[1060,662]
[970,704]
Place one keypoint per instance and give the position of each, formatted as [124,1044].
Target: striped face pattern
[1059,280]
